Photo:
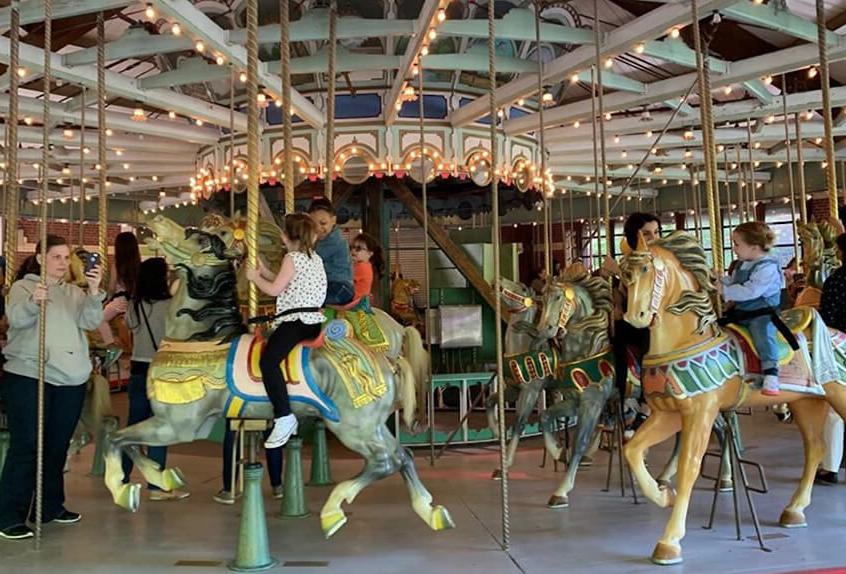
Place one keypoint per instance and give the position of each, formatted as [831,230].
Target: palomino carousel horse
[819,250]
[206,367]
[694,369]
[402,301]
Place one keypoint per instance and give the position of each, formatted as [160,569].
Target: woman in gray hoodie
[70,312]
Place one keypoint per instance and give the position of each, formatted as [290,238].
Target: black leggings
[627,338]
[281,342]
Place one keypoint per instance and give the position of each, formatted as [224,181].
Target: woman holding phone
[70,312]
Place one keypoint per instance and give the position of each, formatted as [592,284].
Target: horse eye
[645,269]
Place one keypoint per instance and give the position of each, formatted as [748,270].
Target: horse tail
[418,360]
[406,392]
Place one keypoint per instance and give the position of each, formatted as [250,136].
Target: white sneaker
[771,387]
[283,428]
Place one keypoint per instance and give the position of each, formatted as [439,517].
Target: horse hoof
[664,484]
[556,501]
[792,519]
[173,479]
[332,522]
[129,497]
[585,462]
[726,485]
[496,474]
[666,555]
[441,520]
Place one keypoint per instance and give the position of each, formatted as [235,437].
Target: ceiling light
[424,51]
[199,122]
[727,90]
[818,141]
[156,178]
[28,120]
[607,116]
[768,80]
[809,114]
[521,102]
[200,47]
[68,134]
[220,60]
[441,15]
[616,139]
[639,48]
[243,77]
[812,73]
[150,12]
[609,62]
[175,29]
[674,33]
[109,132]
[171,115]
[21,72]
[649,133]
[432,34]
[126,166]
[574,79]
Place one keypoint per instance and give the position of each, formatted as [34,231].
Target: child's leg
[763,333]
[280,343]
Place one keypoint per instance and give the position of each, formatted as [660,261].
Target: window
[779,216]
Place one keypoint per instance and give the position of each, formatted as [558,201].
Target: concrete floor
[600,532]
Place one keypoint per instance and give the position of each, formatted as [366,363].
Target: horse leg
[810,415]
[492,411]
[437,517]
[656,429]
[525,404]
[592,402]
[665,479]
[697,422]
[563,408]
[380,460]
[154,431]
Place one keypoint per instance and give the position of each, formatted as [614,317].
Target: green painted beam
[518,24]
[472,62]
[684,108]
[613,81]
[759,89]
[677,52]
[344,62]
[772,17]
[135,43]
[314,27]
[191,71]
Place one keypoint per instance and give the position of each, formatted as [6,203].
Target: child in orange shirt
[368,262]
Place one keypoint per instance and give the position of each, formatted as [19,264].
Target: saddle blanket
[243,378]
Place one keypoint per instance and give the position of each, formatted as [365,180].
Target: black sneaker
[66,517]
[17,532]
[826,477]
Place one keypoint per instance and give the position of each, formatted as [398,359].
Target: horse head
[669,277]
[517,297]
[207,245]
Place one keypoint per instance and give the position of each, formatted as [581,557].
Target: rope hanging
[330,101]
[606,198]
[253,144]
[232,143]
[712,192]
[42,232]
[495,239]
[12,190]
[285,43]
[81,224]
[547,201]
[800,158]
[102,227]
[750,194]
[828,139]
[791,187]
[739,189]
[424,177]
[593,125]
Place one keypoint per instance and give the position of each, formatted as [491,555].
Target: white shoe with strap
[283,429]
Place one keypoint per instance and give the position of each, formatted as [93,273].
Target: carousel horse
[207,367]
[695,369]
[402,301]
[819,249]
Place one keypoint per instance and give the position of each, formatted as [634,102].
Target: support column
[372,201]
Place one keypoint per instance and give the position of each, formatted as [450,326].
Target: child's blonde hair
[300,227]
[756,233]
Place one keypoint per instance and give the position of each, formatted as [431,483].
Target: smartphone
[92,260]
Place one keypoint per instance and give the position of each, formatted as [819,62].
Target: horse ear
[641,243]
[625,249]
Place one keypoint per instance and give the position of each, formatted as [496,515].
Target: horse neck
[575,344]
[673,331]
[518,342]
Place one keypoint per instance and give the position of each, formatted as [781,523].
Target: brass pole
[825,86]
[12,189]
[791,187]
[606,201]
[103,213]
[800,158]
[253,143]
[284,23]
[330,102]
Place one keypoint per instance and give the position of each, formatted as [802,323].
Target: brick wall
[28,232]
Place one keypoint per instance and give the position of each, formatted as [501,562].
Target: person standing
[70,313]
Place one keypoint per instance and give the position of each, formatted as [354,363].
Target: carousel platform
[600,532]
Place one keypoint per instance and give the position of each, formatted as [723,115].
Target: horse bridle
[567,308]
[524,301]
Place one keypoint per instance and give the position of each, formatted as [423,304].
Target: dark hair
[635,223]
[377,259]
[30,264]
[321,204]
[127,261]
[300,227]
[841,244]
[152,281]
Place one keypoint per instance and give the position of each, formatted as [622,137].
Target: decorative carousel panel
[479,167]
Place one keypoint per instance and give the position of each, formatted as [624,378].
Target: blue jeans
[274,461]
[763,333]
[339,293]
[140,410]
[62,407]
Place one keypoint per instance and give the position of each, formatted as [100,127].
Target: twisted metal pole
[547,201]
[800,158]
[102,204]
[712,191]
[12,189]
[791,187]
[42,309]
[253,142]
[606,200]
[330,101]
[828,138]
[284,24]
[751,193]
[81,224]
[232,143]
[496,239]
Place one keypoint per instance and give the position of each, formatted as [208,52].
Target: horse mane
[599,292]
[692,258]
[220,306]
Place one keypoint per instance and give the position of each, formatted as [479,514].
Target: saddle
[360,315]
[797,320]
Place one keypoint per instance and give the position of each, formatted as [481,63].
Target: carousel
[497,154]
